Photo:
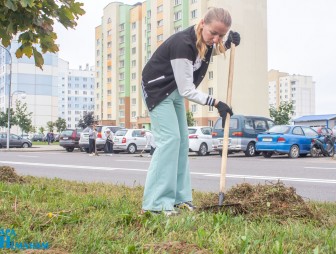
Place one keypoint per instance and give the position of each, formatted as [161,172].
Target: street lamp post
[9,94]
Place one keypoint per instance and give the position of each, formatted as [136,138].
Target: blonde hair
[217,14]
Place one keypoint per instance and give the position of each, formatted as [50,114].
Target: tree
[4,118]
[87,120]
[283,114]
[23,118]
[33,21]
[41,130]
[190,118]
[50,125]
[60,124]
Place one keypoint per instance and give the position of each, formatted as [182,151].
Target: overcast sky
[301,40]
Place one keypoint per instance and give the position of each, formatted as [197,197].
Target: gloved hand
[223,109]
[233,37]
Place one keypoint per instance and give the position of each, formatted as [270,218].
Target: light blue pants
[168,177]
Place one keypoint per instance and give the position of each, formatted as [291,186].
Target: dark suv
[69,139]
[243,132]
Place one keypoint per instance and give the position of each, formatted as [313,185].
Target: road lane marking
[318,168]
[254,177]
[28,156]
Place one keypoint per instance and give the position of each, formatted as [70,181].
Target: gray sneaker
[185,206]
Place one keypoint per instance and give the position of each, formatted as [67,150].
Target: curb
[33,149]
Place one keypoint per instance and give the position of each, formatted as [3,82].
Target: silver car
[14,141]
[129,140]
[101,139]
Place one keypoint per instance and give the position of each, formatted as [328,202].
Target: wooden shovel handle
[227,120]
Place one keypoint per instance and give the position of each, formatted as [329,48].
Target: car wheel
[250,150]
[25,145]
[131,148]
[314,152]
[267,154]
[294,152]
[203,150]
[70,149]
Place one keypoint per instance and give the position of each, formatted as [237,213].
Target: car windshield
[67,133]
[121,133]
[279,129]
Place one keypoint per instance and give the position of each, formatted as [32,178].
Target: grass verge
[76,217]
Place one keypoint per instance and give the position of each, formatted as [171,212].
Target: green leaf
[38,58]
[11,5]
[25,3]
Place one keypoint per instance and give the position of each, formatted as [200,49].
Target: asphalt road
[313,178]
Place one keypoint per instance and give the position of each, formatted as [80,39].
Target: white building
[56,91]
[298,89]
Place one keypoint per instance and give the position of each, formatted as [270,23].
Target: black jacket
[175,64]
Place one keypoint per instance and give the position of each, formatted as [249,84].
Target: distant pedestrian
[92,140]
[149,141]
[109,141]
[50,137]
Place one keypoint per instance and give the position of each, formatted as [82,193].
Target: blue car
[293,140]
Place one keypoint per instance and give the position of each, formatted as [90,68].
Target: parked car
[14,141]
[323,130]
[293,140]
[38,137]
[56,137]
[243,132]
[129,140]
[69,139]
[200,140]
[100,141]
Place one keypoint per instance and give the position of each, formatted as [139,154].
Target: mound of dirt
[8,175]
[175,248]
[273,199]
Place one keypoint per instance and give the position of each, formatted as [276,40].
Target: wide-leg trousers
[168,177]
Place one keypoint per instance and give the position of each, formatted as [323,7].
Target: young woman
[173,73]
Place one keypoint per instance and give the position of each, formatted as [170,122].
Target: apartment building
[298,89]
[75,92]
[129,34]
[56,91]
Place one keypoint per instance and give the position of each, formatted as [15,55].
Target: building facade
[56,91]
[298,89]
[129,35]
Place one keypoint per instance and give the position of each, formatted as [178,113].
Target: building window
[133,114]
[160,8]
[121,113]
[109,56]
[109,92]
[210,74]
[177,29]
[177,2]
[121,101]
[194,14]
[160,23]
[133,63]
[109,116]
[109,32]
[178,15]
[133,38]
[109,104]
[109,80]
[121,51]
[133,25]
[193,108]
[133,75]
[121,76]
[109,44]
[122,27]
[109,20]
[109,68]
[122,39]
[133,51]
[133,101]
[160,37]
[210,123]
[193,1]
[211,108]
[121,64]
[210,90]
[133,89]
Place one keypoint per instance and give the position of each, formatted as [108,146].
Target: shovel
[225,139]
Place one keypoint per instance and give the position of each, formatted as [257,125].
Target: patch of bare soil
[259,201]
[8,175]
[175,248]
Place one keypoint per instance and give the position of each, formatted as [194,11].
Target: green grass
[41,143]
[78,217]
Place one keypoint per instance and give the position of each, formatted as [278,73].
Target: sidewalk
[38,148]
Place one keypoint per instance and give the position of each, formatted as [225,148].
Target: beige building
[298,89]
[129,35]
